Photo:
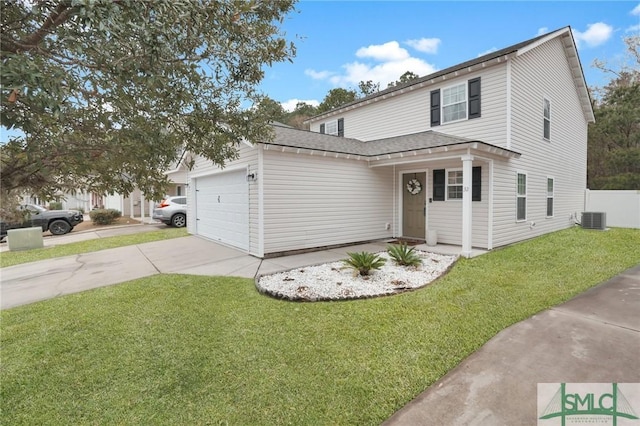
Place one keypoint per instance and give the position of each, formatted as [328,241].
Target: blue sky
[340,43]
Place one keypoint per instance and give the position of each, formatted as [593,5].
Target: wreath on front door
[414,186]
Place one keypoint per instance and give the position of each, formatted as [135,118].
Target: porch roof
[426,142]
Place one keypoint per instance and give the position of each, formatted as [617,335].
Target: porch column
[467,162]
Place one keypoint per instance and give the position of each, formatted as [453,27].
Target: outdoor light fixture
[251,177]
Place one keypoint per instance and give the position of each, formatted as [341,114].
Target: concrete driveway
[32,282]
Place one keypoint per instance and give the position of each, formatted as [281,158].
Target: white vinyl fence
[622,207]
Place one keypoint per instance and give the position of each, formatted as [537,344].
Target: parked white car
[172,211]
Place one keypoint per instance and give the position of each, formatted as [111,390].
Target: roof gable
[516,49]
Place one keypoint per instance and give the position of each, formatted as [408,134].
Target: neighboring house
[137,205]
[486,153]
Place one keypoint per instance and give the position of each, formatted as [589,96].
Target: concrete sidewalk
[593,338]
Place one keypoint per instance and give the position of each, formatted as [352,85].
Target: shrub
[55,205]
[364,262]
[80,209]
[404,255]
[104,216]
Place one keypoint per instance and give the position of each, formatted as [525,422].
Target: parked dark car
[58,222]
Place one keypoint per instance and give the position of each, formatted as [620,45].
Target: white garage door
[222,208]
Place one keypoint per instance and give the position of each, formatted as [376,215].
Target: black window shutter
[322,128]
[474,98]
[340,126]
[439,181]
[476,183]
[435,107]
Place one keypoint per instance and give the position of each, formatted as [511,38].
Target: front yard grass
[178,349]
[10,258]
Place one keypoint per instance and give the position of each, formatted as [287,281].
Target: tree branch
[57,17]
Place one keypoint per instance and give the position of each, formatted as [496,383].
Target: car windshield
[34,208]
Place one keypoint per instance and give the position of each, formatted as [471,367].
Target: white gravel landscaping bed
[336,281]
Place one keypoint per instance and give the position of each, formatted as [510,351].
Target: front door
[414,188]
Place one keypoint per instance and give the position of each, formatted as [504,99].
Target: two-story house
[482,154]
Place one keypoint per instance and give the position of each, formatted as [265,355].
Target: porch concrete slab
[449,250]
[32,282]
[571,343]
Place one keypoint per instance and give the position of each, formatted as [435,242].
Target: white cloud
[290,105]
[542,30]
[636,10]
[425,45]
[382,63]
[595,35]
[633,29]
[318,75]
[390,51]
[383,73]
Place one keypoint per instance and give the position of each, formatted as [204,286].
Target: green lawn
[177,349]
[11,258]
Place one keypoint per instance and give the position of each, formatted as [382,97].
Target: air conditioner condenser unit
[594,220]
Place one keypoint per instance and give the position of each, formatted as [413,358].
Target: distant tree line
[613,155]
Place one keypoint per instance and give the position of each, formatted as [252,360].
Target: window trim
[551,195]
[447,184]
[332,123]
[521,196]
[465,102]
[545,119]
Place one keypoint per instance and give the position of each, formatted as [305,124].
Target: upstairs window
[333,127]
[454,103]
[547,119]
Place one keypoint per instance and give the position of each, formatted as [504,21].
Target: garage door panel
[222,208]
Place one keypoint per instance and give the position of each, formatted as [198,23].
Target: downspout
[508,106]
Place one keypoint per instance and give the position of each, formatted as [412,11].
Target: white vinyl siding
[408,112]
[315,200]
[539,73]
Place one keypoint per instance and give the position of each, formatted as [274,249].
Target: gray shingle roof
[295,138]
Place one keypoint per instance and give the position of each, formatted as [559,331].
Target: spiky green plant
[364,262]
[404,255]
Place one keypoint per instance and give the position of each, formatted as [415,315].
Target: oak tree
[105,94]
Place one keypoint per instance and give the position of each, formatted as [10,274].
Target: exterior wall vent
[594,220]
